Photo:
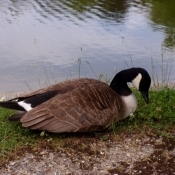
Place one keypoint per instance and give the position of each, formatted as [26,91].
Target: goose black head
[142,81]
[138,76]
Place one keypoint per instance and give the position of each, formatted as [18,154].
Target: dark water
[41,41]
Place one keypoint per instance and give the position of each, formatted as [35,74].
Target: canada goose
[80,105]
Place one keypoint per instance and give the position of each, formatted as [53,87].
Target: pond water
[43,42]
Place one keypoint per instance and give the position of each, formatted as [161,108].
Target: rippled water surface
[42,41]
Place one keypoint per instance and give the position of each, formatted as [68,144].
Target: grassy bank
[158,116]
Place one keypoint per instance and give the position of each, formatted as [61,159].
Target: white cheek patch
[26,106]
[137,80]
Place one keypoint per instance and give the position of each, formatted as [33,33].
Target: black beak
[145,96]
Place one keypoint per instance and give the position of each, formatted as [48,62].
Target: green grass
[12,135]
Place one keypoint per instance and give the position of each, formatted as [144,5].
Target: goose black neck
[119,82]
[121,88]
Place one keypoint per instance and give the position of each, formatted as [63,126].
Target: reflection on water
[41,41]
[82,9]
[162,15]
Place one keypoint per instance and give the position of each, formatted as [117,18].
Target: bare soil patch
[123,153]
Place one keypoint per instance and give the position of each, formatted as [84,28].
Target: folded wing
[87,108]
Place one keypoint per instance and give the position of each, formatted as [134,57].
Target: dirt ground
[142,152]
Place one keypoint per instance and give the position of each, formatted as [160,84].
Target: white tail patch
[26,106]
[137,80]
